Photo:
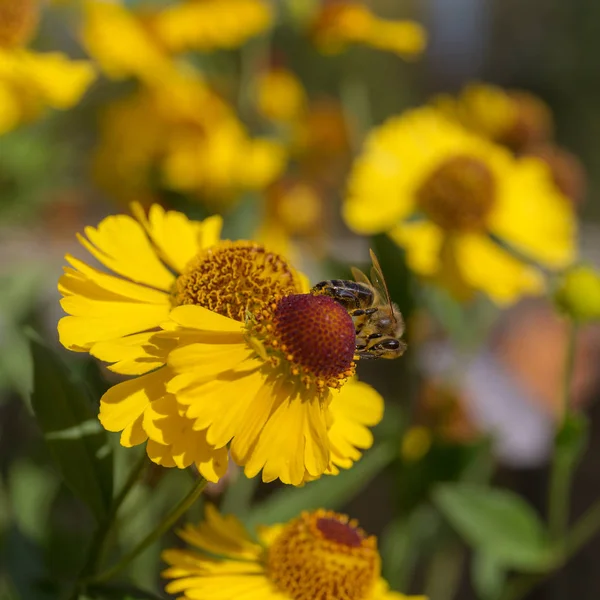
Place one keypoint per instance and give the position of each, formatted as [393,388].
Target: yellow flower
[440,191]
[342,23]
[578,294]
[210,24]
[30,82]
[182,136]
[321,554]
[244,360]
[117,39]
[280,95]
[514,118]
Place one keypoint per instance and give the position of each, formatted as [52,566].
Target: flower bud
[579,294]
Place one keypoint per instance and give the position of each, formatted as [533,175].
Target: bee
[377,320]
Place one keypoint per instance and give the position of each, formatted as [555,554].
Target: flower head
[321,554]
[184,137]
[341,23]
[18,22]
[230,351]
[513,118]
[29,81]
[442,192]
[209,24]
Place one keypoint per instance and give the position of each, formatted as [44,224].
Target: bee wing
[378,282]
[359,276]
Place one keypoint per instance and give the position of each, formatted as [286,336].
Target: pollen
[323,555]
[314,335]
[18,22]
[233,278]
[459,194]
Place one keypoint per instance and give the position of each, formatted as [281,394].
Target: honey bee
[377,320]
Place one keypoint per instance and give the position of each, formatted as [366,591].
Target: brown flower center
[18,22]
[233,278]
[313,334]
[459,194]
[324,556]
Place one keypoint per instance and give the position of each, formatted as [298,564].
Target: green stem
[154,535]
[98,543]
[561,472]
[584,530]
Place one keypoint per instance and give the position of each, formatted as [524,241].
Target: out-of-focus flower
[578,294]
[209,24]
[339,24]
[117,39]
[416,443]
[245,360]
[181,136]
[320,554]
[567,171]
[294,209]
[30,81]
[18,22]
[280,95]
[440,191]
[514,118]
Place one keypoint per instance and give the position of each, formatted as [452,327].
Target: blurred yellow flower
[321,554]
[30,81]
[294,209]
[341,23]
[210,24]
[123,47]
[513,118]
[245,360]
[578,294]
[441,192]
[280,95]
[181,136]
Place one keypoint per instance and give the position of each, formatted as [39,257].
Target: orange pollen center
[18,22]
[314,335]
[459,194]
[324,556]
[233,278]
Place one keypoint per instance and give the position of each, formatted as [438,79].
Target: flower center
[233,278]
[18,22]
[325,556]
[314,335]
[459,194]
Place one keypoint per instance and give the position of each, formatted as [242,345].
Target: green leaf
[496,522]
[72,431]
[404,541]
[328,492]
[488,576]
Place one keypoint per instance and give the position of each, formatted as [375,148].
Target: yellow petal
[355,408]
[125,402]
[534,217]
[176,238]
[117,319]
[60,81]
[423,243]
[208,359]
[120,243]
[197,317]
[294,432]
[135,354]
[486,266]
[221,535]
